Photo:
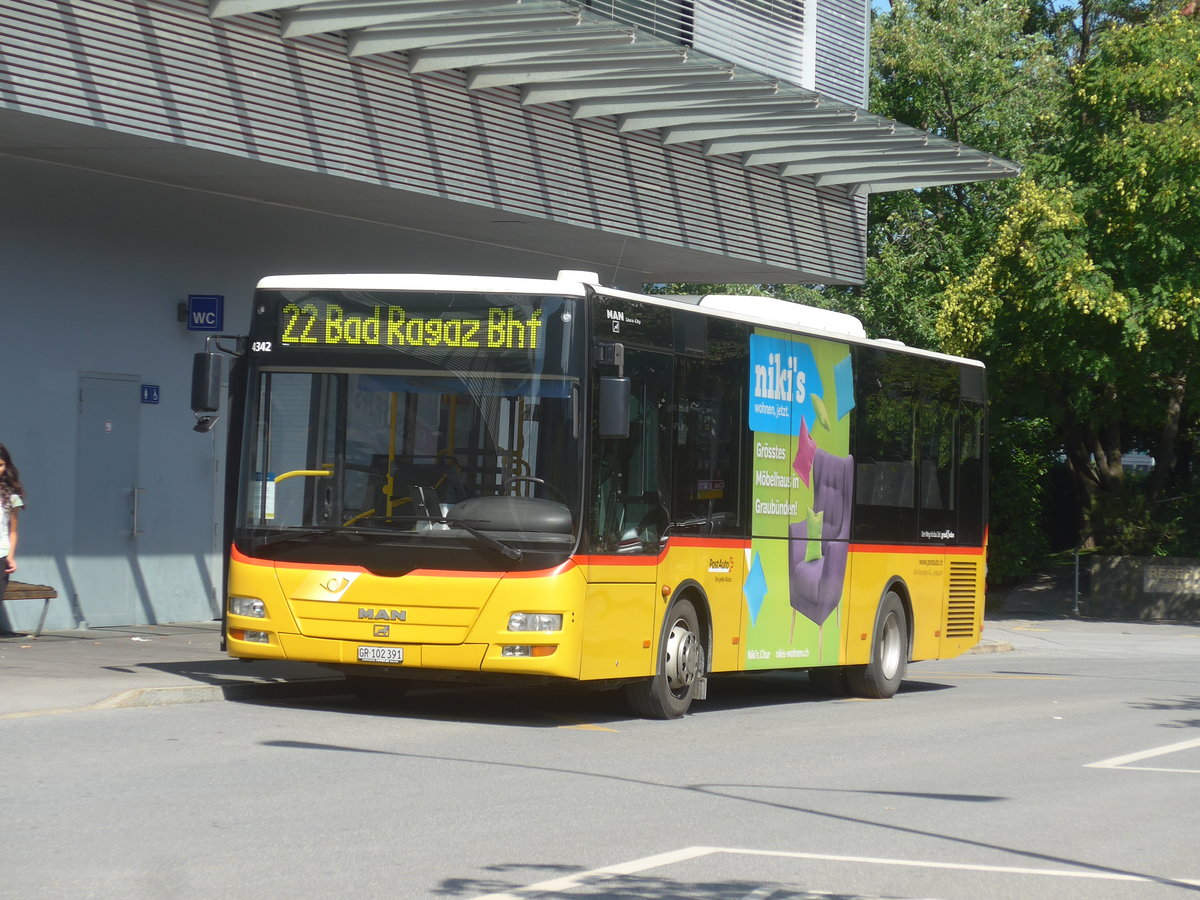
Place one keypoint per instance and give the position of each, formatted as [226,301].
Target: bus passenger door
[629,512]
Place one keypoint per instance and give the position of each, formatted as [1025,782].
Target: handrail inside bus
[315,473]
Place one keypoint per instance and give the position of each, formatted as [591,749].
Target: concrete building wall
[94,268]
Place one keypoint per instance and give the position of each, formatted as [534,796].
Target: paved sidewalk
[139,665]
[151,665]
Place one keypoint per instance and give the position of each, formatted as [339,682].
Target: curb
[208,693]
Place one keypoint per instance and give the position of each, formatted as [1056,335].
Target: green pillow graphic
[815,522]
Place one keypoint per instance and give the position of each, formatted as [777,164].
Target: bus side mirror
[613,406]
[206,389]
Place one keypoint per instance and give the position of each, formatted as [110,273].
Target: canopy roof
[636,67]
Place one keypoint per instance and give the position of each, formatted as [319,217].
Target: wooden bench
[20,590]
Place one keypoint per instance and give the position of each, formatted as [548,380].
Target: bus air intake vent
[964,596]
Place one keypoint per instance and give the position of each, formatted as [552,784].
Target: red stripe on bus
[691,543]
[238,556]
[908,548]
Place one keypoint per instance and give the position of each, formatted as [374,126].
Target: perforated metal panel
[165,71]
[962,609]
[842,48]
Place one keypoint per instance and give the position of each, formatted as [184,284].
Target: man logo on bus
[394,615]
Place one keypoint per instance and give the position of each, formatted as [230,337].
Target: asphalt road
[1069,767]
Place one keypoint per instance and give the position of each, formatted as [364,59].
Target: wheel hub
[684,656]
[890,647]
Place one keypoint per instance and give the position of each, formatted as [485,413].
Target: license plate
[381,654]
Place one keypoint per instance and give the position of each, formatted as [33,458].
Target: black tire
[680,666]
[829,680]
[880,678]
[377,689]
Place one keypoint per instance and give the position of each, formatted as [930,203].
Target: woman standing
[10,508]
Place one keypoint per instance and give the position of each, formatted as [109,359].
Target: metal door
[104,566]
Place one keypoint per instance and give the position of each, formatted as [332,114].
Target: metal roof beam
[224,9]
[829,157]
[725,95]
[821,126]
[842,145]
[344,15]
[458,30]
[616,85]
[781,113]
[964,170]
[558,68]
[911,182]
[513,49]
[795,130]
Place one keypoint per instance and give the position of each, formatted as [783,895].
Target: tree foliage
[973,73]
[1093,279]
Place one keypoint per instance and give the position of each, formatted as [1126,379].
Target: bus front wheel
[681,665]
[881,677]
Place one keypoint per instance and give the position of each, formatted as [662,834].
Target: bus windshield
[430,441]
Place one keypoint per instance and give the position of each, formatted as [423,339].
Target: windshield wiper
[311,534]
[306,535]
[511,552]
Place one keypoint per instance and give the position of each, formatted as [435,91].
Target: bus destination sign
[329,324]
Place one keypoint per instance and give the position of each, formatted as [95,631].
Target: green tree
[982,74]
[1088,304]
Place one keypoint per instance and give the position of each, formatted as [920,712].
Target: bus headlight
[527,621]
[248,606]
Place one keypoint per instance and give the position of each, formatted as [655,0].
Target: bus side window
[937,448]
[972,481]
[705,448]
[631,475]
[884,450]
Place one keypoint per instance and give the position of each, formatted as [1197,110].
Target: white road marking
[1122,762]
[579,878]
[763,893]
[961,867]
[689,853]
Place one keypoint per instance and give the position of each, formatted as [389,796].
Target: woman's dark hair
[10,482]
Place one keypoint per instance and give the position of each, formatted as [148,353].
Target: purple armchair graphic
[819,545]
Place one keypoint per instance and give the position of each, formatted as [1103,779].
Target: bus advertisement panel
[800,403]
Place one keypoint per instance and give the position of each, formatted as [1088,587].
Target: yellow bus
[483,478]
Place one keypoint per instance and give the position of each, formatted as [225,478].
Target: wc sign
[205,312]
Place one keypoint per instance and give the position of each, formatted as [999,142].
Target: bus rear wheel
[681,665]
[880,678]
